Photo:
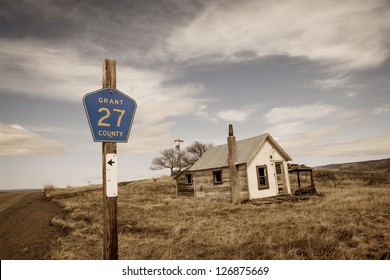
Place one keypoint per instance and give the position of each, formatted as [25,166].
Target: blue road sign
[110,114]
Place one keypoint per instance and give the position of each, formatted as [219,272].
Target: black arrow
[111,162]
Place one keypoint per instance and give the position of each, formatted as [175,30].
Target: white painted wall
[262,157]
[288,186]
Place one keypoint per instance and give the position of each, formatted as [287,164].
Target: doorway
[280,180]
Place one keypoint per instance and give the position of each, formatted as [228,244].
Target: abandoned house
[237,171]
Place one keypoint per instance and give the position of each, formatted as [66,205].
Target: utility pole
[178,142]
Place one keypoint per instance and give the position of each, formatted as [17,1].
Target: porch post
[299,182]
[312,185]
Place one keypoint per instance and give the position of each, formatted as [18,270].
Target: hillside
[372,166]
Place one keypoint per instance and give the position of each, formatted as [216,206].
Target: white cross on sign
[112,175]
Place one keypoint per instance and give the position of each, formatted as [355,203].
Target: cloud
[88,26]
[342,82]
[53,129]
[375,145]
[157,103]
[204,114]
[18,141]
[352,94]
[32,68]
[347,116]
[287,129]
[63,61]
[313,145]
[315,130]
[332,83]
[236,115]
[305,112]
[148,139]
[381,110]
[343,35]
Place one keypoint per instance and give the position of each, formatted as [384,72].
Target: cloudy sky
[313,74]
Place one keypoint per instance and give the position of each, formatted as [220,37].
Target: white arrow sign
[112,175]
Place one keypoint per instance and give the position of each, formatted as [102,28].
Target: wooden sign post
[110,204]
[110,115]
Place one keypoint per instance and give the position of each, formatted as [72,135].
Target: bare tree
[195,151]
[168,159]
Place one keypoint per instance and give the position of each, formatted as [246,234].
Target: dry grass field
[349,219]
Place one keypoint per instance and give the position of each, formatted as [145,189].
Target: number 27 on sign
[107,115]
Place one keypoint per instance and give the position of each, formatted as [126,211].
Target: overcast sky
[313,74]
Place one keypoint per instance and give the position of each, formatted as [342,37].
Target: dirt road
[25,231]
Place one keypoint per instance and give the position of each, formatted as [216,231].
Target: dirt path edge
[26,232]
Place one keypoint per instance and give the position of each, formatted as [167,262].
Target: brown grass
[349,220]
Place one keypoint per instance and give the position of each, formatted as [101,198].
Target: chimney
[233,171]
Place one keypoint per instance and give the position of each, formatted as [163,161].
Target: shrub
[48,189]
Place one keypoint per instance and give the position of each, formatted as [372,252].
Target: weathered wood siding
[206,188]
[182,188]
[244,194]
[263,157]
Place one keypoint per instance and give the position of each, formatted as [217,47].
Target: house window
[217,177]
[262,177]
[188,179]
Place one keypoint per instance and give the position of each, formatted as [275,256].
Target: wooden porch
[299,169]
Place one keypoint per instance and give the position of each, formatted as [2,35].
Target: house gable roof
[217,156]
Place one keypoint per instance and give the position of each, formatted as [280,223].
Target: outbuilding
[251,168]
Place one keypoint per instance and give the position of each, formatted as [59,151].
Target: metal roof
[217,156]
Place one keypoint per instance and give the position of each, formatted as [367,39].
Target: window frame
[215,172]
[186,176]
[266,177]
